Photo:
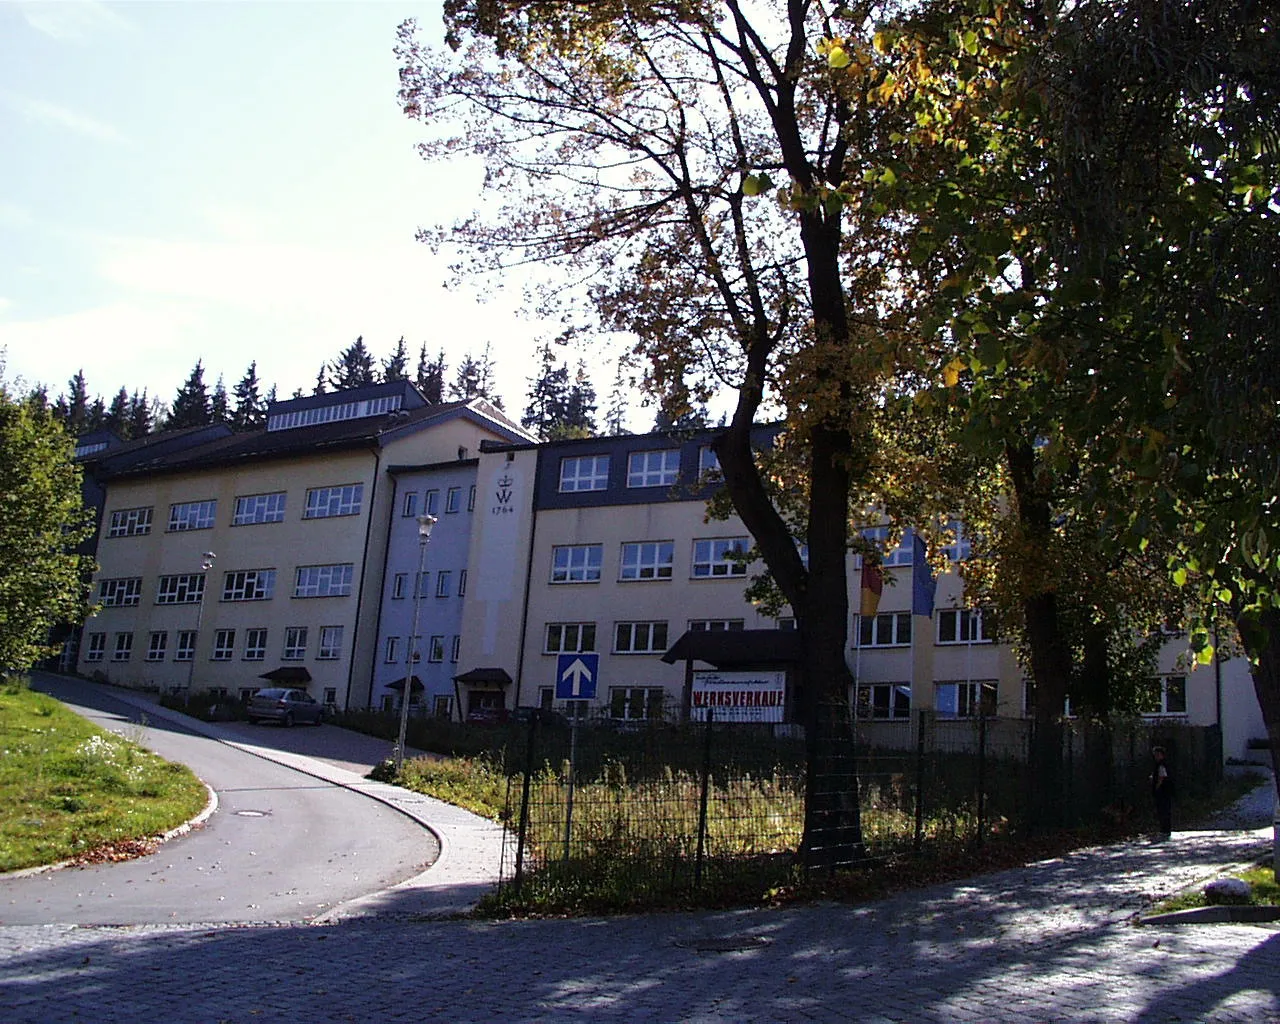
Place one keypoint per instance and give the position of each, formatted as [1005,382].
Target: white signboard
[739,696]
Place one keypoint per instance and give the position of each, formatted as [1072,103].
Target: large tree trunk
[1261,640]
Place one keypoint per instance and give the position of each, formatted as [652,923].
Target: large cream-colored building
[260,555]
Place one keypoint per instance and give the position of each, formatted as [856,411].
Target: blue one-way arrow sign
[577,676]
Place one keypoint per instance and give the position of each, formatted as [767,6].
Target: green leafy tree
[42,518]
[190,406]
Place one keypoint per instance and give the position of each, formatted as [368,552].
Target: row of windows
[242,585]
[254,645]
[715,558]
[576,637]
[250,509]
[443,588]
[394,646]
[656,468]
[430,502]
[971,697]
[954,626]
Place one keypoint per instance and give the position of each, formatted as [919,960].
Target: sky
[228,182]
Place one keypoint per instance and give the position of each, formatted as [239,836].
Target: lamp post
[206,563]
[425,522]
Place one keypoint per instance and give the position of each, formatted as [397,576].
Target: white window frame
[330,648]
[97,647]
[185,649]
[647,560]
[157,645]
[658,467]
[123,649]
[255,643]
[399,583]
[887,629]
[969,694]
[471,498]
[569,637]
[183,588]
[452,500]
[314,581]
[628,637]
[637,703]
[409,507]
[584,473]
[295,643]
[961,547]
[902,555]
[579,565]
[884,701]
[462,583]
[391,651]
[192,515]
[1172,684]
[130,522]
[123,592]
[455,649]
[963,626]
[435,649]
[709,470]
[431,502]
[717,625]
[444,582]
[253,509]
[224,645]
[249,585]
[332,502]
[711,559]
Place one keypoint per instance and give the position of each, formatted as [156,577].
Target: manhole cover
[724,943]
[253,814]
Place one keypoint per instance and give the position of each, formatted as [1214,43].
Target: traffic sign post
[577,676]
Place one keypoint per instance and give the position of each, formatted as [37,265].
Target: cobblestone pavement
[1049,942]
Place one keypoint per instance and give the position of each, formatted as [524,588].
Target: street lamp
[425,522]
[206,563]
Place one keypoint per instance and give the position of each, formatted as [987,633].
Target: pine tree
[142,414]
[396,366]
[320,388]
[97,416]
[191,404]
[430,379]
[219,405]
[73,410]
[466,384]
[615,416]
[548,396]
[250,412]
[117,418]
[354,368]
[580,409]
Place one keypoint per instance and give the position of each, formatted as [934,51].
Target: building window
[720,558]
[640,638]
[961,547]
[455,649]
[884,700]
[424,584]
[892,630]
[391,652]
[330,643]
[325,502]
[444,581]
[185,589]
[255,644]
[647,560]
[323,580]
[399,584]
[224,643]
[653,469]
[570,637]
[471,499]
[97,647]
[124,647]
[787,623]
[192,515]
[410,507]
[435,652]
[120,593]
[249,585]
[584,473]
[130,522]
[576,563]
[295,643]
[442,706]
[259,508]
[431,503]
[331,696]
[186,650]
[246,693]
[966,699]
[1168,696]
[636,703]
[462,583]
[708,465]
[453,500]
[157,643]
[965,626]
[878,538]
[716,625]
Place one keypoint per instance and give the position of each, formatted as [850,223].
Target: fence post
[919,833]
[573,778]
[982,774]
[524,803]
[702,801]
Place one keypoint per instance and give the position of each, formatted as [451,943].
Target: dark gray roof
[485,675]
[727,648]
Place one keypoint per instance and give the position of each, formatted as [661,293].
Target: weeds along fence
[660,809]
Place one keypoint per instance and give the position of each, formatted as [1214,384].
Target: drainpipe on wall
[528,576]
[364,565]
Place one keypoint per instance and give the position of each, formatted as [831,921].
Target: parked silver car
[286,706]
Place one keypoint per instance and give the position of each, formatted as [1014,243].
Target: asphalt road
[281,846]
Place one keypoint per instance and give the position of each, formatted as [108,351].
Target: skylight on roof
[333,413]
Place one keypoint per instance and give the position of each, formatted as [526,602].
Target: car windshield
[271,693]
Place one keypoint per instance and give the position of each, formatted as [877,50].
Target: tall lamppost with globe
[425,523]
[206,564]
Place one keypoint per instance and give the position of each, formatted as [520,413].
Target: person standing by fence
[1162,791]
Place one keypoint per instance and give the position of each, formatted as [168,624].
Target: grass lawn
[68,790]
[1261,879]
